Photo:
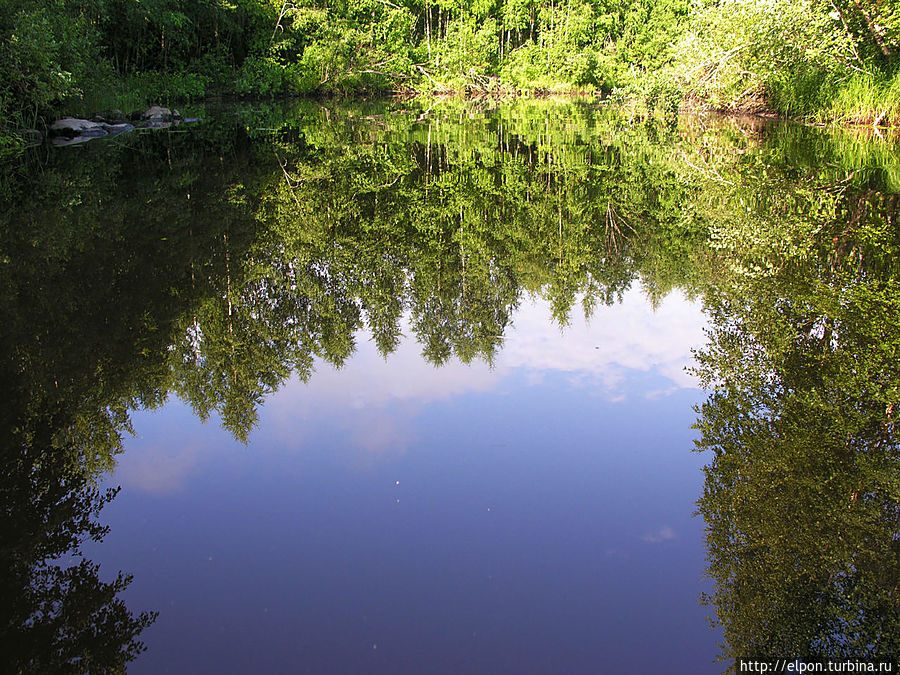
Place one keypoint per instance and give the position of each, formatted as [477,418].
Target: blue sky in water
[393,517]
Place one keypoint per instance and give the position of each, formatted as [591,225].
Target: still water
[395,517]
[395,389]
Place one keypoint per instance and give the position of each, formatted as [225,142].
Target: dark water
[398,390]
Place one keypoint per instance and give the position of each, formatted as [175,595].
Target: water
[416,390]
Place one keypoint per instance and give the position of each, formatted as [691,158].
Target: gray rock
[113,116]
[116,129]
[72,127]
[158,114]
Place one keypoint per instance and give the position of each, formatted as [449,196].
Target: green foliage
[48,54]
[260,76]
[468,48]
[734,49]
[214,265]
[154,88]
[170,50]
[821,60]
[649,28]
[11,144]
[818,59]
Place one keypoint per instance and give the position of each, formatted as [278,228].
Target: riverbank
[665,107]
[860,101]
[824,62]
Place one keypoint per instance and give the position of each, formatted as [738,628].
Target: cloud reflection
[372,403]
[659,536]
[601,354]
[629,336]
[161,467]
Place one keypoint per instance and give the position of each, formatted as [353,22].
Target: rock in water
[158,114]
[116,129]
[72,127]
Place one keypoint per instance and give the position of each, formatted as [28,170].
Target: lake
[531,387]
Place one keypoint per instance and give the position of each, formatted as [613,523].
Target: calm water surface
[408,390]
[391,516]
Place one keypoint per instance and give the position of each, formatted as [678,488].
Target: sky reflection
[625,351]
[396,517]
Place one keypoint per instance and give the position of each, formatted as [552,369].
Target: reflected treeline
[801,493]
[92,289]
[364,219]
[215,263]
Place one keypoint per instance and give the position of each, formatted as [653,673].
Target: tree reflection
[801,496]
[217,264]
[89,298]
[59,613]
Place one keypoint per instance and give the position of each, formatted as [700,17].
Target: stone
[116,129]
[157,113]
[72,127]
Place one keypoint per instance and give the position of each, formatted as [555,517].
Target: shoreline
[756,109]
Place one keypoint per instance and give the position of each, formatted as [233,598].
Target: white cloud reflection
[372,403]
[629,336]
[602,354]
[659,536]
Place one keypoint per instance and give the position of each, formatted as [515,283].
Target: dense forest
[829,60]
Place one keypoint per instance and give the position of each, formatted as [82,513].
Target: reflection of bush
[801,495]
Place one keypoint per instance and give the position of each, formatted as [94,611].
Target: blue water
[534,516]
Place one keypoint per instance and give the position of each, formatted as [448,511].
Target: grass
[867,100]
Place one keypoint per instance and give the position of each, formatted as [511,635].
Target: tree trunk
[876,31]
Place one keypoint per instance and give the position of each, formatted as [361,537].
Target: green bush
[260,76]
[524,66]
[155,87]
[214,69]
[45,57]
